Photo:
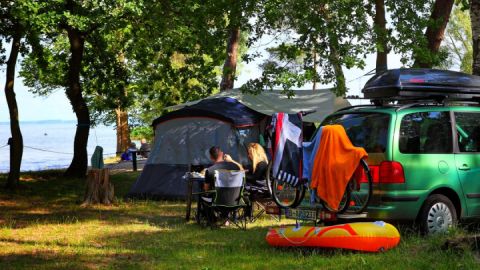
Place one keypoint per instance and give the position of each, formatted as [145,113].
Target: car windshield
[367,130]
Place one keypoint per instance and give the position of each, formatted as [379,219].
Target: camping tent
[230,120]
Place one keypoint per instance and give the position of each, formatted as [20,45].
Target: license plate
[302,214]
[272,210]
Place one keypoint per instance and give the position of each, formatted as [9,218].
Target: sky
[57,107]
[35,108]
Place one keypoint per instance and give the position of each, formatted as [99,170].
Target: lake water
[56,136]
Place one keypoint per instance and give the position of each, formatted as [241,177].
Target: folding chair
[228,202]
[259,197]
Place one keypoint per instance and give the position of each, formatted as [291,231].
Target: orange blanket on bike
[334,164]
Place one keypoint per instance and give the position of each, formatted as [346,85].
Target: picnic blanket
[334,164]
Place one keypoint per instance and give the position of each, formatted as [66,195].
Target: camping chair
[260,199]
[227,201]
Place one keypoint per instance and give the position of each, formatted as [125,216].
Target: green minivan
[424,155]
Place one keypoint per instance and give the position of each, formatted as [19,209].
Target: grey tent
[230,120]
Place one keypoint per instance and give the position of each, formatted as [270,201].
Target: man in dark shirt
[218,158]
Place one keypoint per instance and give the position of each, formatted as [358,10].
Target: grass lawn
[42,226]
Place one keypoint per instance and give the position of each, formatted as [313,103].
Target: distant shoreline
[52,122]
[41,122]
[49,144]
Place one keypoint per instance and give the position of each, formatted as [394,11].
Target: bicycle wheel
[343,203]
[284,194]
[360,187]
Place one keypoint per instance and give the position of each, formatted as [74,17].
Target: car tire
[437,215]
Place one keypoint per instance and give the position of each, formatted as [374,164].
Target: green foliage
[140,132]
[409,20]
[458,40]
[176,58]
[22,15]
[152,55]
[323,29]
[340,34]
[44,71]
[285,68]
[143,56]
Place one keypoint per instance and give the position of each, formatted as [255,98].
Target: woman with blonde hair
[258,169]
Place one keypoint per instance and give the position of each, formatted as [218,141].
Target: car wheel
[437,215]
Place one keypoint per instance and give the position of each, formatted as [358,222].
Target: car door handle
[464,167]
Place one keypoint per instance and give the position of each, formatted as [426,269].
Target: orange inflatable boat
[364,236]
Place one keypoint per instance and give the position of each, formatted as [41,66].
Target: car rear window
[367,130]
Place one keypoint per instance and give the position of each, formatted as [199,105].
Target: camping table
[191,178]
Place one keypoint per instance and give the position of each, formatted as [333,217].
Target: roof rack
[354,106]
[362,106]
[443,103]
[410,105]
[403,103]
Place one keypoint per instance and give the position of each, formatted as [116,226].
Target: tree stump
[99,190]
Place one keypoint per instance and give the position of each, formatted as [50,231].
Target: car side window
[426,132]
[468,131]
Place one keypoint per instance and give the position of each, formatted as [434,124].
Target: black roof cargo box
[398,84]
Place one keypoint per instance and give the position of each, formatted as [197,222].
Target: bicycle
[355,199]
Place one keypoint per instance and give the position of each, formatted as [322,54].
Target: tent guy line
[50,151]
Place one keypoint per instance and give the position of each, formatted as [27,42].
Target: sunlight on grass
[42,226]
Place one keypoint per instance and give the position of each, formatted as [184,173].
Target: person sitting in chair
[257,171]
[127,155]
[144,150]
[220,161]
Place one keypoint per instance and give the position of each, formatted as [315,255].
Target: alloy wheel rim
[439,218]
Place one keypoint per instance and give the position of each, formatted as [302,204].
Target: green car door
[467,159]
[425,150]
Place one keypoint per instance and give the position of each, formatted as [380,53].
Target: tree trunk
[381,33]
[230,66]
[333,57]
[16,144]
[435,31]
[78,167]
[123,132]
[314,87]
[341,87]
[475,22]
